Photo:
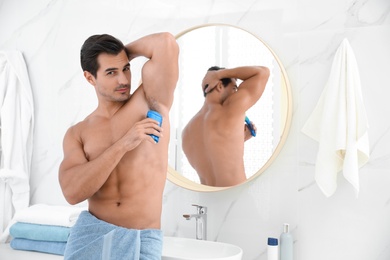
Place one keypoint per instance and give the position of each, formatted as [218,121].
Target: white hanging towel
[339,123]
[17,123]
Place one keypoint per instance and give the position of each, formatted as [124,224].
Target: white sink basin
[177,248]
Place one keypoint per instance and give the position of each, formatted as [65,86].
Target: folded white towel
[339,123]
[43,214]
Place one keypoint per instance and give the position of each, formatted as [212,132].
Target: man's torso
[213,142]
[131,197]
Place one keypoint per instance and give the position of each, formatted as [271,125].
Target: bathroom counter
[7,253]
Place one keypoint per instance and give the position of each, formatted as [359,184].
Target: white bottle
[272,249]
[286,244]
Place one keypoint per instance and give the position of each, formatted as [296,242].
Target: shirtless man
[213,140]
[110,159]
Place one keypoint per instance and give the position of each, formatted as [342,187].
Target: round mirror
[228,46]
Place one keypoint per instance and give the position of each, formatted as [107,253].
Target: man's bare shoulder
[76,129]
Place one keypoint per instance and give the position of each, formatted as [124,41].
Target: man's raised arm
[254,80]
[160,72]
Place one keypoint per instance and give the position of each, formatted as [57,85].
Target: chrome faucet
[201,221]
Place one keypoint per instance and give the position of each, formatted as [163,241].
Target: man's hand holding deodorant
[156,116]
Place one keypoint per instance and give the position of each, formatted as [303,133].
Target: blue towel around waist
[91,238]
[39,232]
[50,247]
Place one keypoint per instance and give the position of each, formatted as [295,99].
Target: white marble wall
[305,35]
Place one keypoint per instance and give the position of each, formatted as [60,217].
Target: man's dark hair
[95,45]
[225,81]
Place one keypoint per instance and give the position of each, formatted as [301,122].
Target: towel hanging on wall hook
[339,124]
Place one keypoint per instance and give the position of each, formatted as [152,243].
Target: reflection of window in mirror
[228,47]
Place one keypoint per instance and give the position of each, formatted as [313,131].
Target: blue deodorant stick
[250,127]
[156,116]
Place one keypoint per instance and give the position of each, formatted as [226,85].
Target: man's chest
[100,135]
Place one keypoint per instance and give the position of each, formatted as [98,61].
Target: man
[111,159]
[213,140]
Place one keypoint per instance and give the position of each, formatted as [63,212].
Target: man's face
[113,77]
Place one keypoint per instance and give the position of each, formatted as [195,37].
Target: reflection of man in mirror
[213,140]
[111,159]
